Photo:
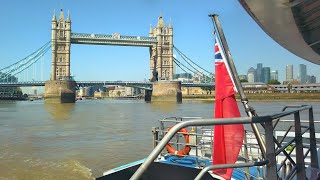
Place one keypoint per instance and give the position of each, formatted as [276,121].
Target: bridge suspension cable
[179,64]
[189,61]
[199,71]
[24,63]
[200,74]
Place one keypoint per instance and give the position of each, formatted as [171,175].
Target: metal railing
[295,167]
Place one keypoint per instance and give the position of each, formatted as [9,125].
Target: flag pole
[234,75]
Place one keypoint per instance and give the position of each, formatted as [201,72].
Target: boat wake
[18,166]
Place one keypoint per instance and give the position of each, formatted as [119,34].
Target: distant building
[193,91]
[183,75]
[274,75]
[7,78]
[101,94]
[258,77]
[129,91]
[35,90]
[265,74]
[88,91]
[119,91]
[9,93]
[185,80]
[302,73]
[109,88]
[289,72]
[243,77]
[122,91]
[257,87]
[311,79]
[251,75]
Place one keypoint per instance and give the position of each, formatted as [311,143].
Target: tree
[289,87]
[208,89]
[118,93]
[273,81]
[243,80]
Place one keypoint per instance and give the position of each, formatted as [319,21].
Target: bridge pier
[166,91]
[147,95]
[60,91]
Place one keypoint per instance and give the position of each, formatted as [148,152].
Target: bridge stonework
[60,88]
[60,91]
[61,40]
[161,55]
[160,43]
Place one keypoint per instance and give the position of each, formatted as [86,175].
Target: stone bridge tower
[60,88]
[61,32]
[161,55]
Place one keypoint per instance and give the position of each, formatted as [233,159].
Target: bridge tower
[61,32]
[60,88]
[161,55]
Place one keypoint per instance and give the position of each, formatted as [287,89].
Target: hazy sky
[26,26]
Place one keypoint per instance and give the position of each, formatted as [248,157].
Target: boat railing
[288,168]
[202,147]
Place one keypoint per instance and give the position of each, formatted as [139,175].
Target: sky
[26,26]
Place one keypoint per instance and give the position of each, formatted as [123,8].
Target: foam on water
[15,166]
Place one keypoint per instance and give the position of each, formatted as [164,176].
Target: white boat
[288,153]
[251,163]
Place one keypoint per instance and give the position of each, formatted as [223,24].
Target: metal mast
[249,110]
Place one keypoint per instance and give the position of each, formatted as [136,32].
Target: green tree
[273,81]
[208,89]
[243,80]
[118,93]
[289,87]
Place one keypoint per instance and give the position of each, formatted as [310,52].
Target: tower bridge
[159,42]
[61,86]
[139,84]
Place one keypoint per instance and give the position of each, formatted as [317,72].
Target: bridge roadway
[115,39]
[138,84]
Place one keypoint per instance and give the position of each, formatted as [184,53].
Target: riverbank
[13,99]
[263,97]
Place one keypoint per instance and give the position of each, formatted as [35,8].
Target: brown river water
[82,140]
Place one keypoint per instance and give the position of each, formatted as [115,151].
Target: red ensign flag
[228,139]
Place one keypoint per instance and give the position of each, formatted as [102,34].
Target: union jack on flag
[220,58]
[217,53]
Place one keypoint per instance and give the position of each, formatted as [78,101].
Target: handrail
[286,113]
[225,166]
[267,120]
[203,122]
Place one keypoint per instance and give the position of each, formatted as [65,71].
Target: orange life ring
[185,150]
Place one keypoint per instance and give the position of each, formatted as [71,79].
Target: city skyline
[294,73]
[29,29]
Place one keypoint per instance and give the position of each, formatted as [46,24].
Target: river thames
[82,140]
